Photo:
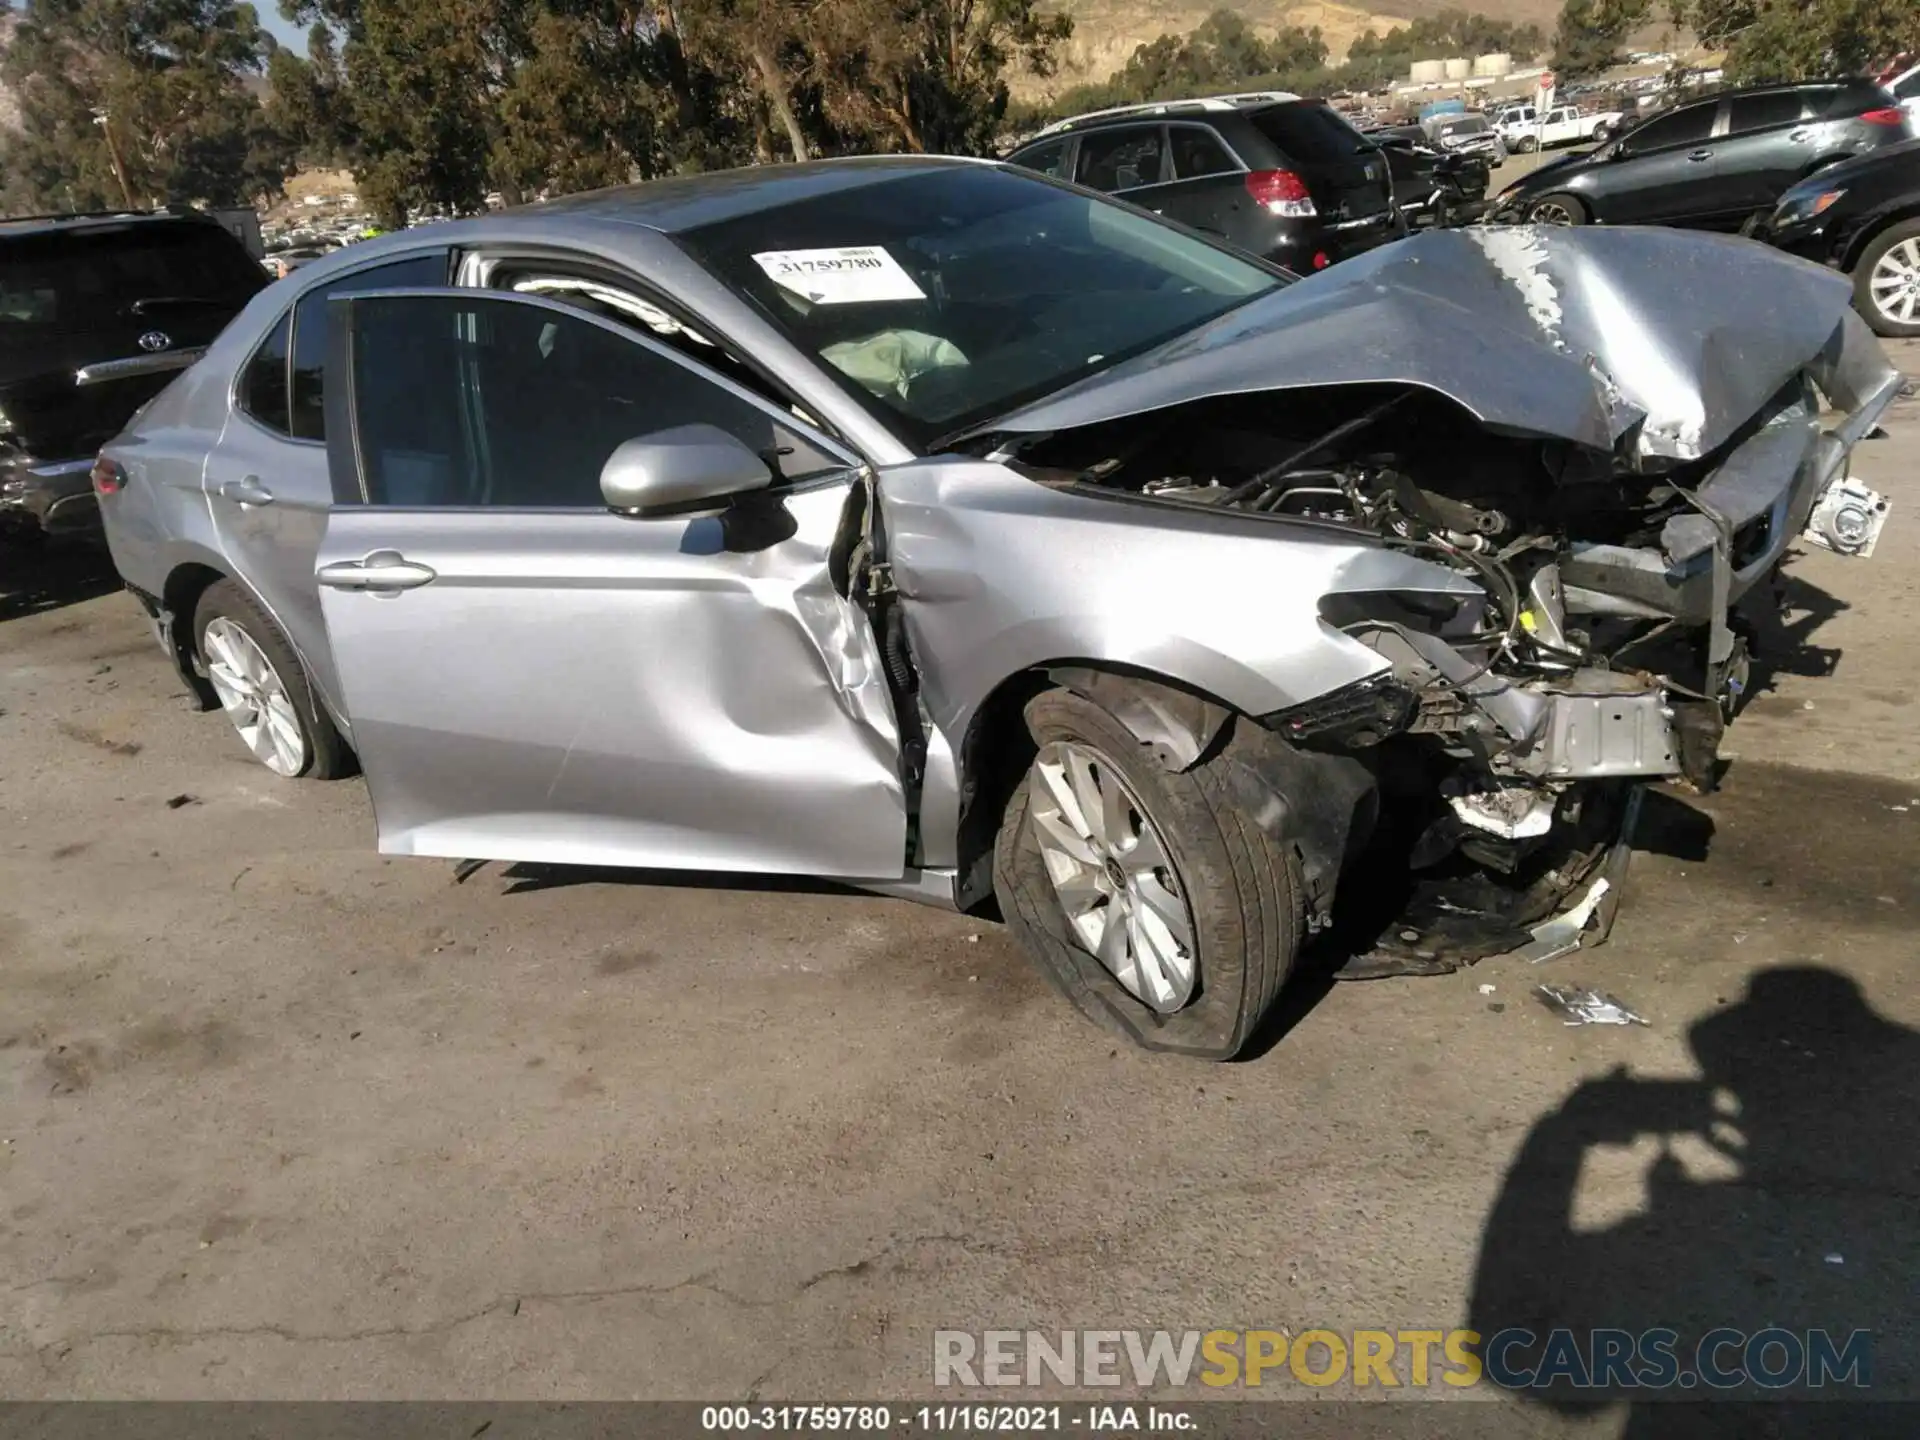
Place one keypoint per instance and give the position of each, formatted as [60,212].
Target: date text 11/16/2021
[1105,1419]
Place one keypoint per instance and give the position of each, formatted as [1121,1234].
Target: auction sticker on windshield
[847,275]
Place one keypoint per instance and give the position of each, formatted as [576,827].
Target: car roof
[80,222]
[687,202]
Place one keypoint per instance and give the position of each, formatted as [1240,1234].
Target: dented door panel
[587,688]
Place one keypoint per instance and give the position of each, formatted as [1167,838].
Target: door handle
[1698,155]
[247,491]
[382,570]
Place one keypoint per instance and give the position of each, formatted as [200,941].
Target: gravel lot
[279,1117]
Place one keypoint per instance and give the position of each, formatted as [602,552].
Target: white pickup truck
[1522,129]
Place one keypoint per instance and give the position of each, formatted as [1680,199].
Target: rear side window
[1843,101]
[1682,127]
[1759,112]
[263,384]
[1048,159]
[1309,132]
[1120,159]
[1198,152]
[308,419]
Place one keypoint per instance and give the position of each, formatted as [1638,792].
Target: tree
[139,103]
[1592,34]
[1804,39]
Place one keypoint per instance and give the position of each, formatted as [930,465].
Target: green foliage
[1802,39]
[138,102]
[1224,53]
[1593,33]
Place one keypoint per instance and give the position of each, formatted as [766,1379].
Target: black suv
[97,314]
[1715,163]
[1284,178]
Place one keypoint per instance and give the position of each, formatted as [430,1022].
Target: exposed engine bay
[1606,641]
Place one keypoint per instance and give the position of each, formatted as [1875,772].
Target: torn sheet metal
[1645,340]
[1576,1006]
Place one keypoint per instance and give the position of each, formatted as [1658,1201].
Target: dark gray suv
[1284,178]
[1716,163]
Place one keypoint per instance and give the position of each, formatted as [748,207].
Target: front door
[530,676]
[1663,172]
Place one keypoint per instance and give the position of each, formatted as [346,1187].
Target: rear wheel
[1527,144]
[1558,208]
[1886,280]
[263,689]
[1148,898]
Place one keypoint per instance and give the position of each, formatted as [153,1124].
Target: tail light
[1892,115]
[108,478]
[1280,192]
[1320,261]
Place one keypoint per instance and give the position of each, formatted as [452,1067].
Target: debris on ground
[177,802]
[1585,1007]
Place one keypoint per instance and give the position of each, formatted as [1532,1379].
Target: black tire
[1526,144]
[1601,132]
[328,756]
[1863,299]
[1572,206]
[1244,892]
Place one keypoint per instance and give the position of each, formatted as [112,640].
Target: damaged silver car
[955,533]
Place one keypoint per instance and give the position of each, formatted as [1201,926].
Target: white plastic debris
[1585,1007]
[1486,989]
[1836,1258]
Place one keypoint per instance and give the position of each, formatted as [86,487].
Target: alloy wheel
[1552,212]
[1113,875]
[1895,282]
[254,697]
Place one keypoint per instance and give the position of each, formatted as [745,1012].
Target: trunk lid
[1344,171]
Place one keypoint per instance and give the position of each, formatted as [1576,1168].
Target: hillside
[1106,32]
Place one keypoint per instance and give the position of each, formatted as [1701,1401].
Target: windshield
[89,280]
[941,300]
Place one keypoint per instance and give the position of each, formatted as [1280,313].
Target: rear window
[1307,131]
[83,280]
[1465,125]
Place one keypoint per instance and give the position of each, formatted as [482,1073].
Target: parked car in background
[1713,163]
[283,262]
[1432,186]
[1283,178]
[1524,129]
[1469,134]
[1862,217]
[97,314]
[958,533]
[1905,88]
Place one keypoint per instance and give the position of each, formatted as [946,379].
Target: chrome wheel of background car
[1113,875]
[1895,282]
[1553,212]
[254,696]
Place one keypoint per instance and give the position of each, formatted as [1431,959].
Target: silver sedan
[953,532]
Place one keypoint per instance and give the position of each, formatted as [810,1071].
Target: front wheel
[1558,209]
[1886,281]
[263,689]
[1526,144]
[1148,898]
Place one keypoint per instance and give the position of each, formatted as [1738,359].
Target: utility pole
[105,122]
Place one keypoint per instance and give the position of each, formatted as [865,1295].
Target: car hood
[1646,342]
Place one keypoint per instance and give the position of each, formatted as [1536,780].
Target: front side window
[1124,159]
[943,298]
[1683,127]
[482,400]
[308,420]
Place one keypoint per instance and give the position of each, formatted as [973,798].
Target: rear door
[531,676]
[1206,186]
[1663,171]
[1344,173]
[1768,145]
[267,484]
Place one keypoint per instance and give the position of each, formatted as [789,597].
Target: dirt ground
[282,1118]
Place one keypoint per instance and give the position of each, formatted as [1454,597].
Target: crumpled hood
[1657,344]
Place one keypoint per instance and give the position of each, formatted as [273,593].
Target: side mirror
[687,468]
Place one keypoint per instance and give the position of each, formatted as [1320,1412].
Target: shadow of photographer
[1782,1188]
